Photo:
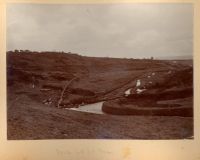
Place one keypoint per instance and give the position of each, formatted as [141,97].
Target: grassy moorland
[41,84]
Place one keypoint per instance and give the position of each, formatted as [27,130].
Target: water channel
[90,108]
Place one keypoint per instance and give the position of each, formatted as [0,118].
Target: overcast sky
[113,30]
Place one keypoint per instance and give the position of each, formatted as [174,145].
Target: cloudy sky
[111,30]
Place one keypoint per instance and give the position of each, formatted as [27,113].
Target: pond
[90,108]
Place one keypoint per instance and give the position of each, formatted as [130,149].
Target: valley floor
[31,120]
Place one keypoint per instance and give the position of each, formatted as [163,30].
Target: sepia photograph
[106,71]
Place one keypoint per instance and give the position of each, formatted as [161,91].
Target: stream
[90,108]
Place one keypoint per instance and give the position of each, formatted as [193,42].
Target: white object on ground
[149,76]
[153,74]
[169,72]
[150,82]
[47,101]
[138,83]
[140,90]
[127,92]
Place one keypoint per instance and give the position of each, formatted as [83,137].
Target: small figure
[33,85]
[138,83]
[33,81]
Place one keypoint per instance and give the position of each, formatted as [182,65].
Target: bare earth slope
[35,83]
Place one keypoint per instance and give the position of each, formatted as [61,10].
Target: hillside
[41,84]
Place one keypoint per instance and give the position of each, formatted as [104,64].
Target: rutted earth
[64,95]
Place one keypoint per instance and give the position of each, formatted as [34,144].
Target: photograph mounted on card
[90,71]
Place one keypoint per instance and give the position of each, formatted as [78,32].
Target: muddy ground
[41,85]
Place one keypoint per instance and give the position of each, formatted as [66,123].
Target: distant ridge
[186,57]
